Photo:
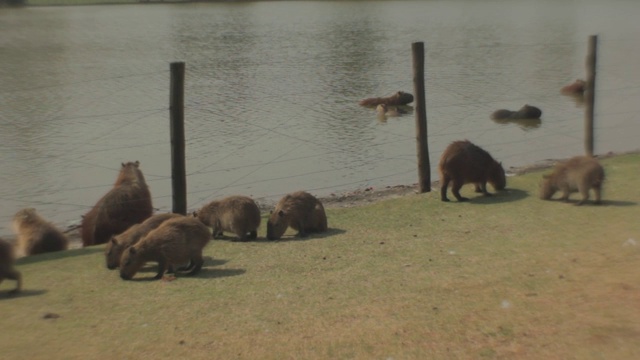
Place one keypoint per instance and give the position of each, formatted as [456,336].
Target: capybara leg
[188,267]
[197,262]
[162,267]
[302,230]
[596,191]
[443,188]
[253,235]
[479,188]
[455,189]
[14,275]
[584,191]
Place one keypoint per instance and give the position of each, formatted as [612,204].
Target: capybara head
[130,173]
[404,98]
[113,253]
[129,263]
[497,177]
[25,216]
[277,225]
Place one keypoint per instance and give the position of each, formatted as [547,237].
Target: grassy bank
[504,277]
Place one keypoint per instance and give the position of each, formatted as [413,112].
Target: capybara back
[237,214]
[36,235]
[127,203]
[399,98]
[299,210]
[578,174]
[7,265]
[463,162]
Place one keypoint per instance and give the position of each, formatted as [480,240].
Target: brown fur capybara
[388,110]
[237,214]
[525,112]
[299,210]
[118,243]
[7,269]
[576,88]
[127,203]
[175,242]
[399,98]
[36,235]
[578,174]
[463,162]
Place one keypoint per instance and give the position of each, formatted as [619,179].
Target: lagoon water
[272,89]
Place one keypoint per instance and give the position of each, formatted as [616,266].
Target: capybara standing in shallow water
[299,210]
[7,270]
[578,174]
[118,243]
[525,112]
[462,163]
[399,98]
[577,88]
[175,242]
[36,235]
[237,214]
[128,203]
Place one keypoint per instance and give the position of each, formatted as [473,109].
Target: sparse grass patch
[510,276]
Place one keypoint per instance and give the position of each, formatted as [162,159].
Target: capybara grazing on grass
[118,243]
[237,214]
[525,112]
[175,242]
[462,162]
[577,88]
[299,210]
[36,235]
[578,174]
[127,203]
[399,98]
[7,270]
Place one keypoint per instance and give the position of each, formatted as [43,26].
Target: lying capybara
[299,210]
[237,214]
[118,243]
[463,162]
[577,88]
[399,98]
[525,112]
[127,203]
[175,242]
[7,270]
[36,235]
[578,174]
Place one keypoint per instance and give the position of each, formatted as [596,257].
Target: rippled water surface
[272,91]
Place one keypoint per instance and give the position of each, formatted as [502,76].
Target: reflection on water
[272,93]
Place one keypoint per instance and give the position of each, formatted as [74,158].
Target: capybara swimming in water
[36,235]
[237,214]
[462,162]
[127,203]
[299,210]
[118,243]
[578,174]
[577,88]
[525,112]
[7,270]
[399,98]
[175,242]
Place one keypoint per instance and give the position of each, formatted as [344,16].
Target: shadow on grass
[590,202]
[498,197]
[59,255]
[6,295]
[207,271]
[310,236]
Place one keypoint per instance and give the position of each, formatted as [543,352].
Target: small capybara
[127,203]
[463,162]
[578,174]
[118,243]
[175,242]
[237,214]
[7,270]
[399,98]
[577,88]
[299,210]
[525,112]
[36,235]
[388,110]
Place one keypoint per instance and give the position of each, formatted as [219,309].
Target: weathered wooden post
[176,121]
[589,94]
[424,167]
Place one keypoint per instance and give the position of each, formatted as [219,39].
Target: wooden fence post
[589,94]
[424,167]
[178,166]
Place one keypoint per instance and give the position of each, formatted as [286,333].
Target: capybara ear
[195,214]
[137,163]
[132,250]
[122,164]
[280,213]
[113,241]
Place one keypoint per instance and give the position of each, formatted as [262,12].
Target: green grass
[510,276]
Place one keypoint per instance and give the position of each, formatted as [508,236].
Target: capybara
[463,162]
[237,214]
[525,112]
[399,98]
[577,88]
[175,242]
[299,210]
[36,235]
[127,203]
[7,270]
[118,243]
[388,110]
[578,174]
